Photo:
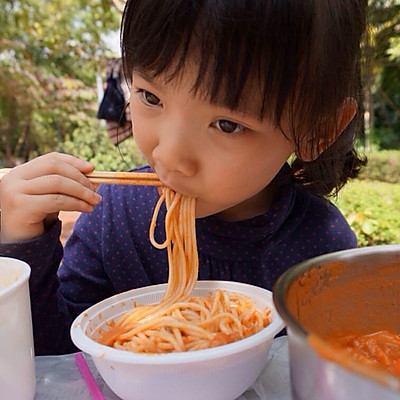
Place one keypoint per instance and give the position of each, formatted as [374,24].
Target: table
[58,378]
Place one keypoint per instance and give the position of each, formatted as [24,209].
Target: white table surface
[58,378]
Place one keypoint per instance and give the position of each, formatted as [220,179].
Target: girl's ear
[345,115]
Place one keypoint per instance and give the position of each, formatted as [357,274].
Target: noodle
[180,322]
[379,349]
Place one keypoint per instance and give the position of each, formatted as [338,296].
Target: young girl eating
[223,94]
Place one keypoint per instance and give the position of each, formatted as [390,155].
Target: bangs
[290,54]
[233,44]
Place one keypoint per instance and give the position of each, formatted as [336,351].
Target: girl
[222,94]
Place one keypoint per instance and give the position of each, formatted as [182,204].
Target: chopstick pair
[124,178]
[121,178]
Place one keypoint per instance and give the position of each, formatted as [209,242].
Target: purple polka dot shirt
[109,252]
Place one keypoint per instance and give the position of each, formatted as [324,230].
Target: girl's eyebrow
[244,110]
[148,78]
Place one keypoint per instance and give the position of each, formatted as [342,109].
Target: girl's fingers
[36,209]
[55,164]
[61,187]
[54,160]
[35,192]
[53,203]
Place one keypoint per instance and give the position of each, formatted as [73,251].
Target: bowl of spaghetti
[181,361]
[342,312]
[185,339]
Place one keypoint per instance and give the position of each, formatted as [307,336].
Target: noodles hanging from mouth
[180,322]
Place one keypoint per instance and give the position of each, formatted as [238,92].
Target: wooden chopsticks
[124,178]
[120,178]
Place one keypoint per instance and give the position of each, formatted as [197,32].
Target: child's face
[223,158]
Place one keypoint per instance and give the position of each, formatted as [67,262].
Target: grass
[372,209]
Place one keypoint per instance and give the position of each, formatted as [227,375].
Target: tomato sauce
[379,349]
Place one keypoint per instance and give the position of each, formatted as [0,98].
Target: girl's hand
[32,194]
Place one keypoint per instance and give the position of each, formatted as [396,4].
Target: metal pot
[348,291]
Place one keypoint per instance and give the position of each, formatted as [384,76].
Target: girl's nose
[175,151]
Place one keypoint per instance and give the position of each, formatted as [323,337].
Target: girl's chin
[203,210]
[203,214]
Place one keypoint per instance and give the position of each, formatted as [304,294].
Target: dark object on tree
[112,106]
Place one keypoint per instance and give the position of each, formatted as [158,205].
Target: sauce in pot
[379,349]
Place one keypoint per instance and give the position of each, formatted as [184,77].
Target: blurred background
[53,63]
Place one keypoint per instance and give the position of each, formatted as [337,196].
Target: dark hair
[303,54]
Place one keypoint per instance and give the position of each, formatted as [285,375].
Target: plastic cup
[17,361]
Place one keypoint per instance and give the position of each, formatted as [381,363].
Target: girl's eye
[149,98]
[228,126]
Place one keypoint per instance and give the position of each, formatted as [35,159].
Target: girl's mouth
[168,180]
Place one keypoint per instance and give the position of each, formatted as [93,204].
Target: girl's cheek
[146,146]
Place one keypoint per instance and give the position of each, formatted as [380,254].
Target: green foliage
[373,211]
[385,137]
[386,133]
[380,51]
[62,37]
[382,166]
[89,141]
[383,18]
[50,52]
[371,204]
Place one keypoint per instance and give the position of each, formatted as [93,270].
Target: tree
[386,132]
[49,55]
[119,5]
[50,52]
[383,32]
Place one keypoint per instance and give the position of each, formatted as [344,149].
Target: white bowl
[218,373]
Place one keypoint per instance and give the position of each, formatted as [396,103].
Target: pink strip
[88,377]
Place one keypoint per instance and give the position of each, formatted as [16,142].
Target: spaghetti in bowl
[221,372]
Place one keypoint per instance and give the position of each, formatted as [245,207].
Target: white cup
[17,361]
